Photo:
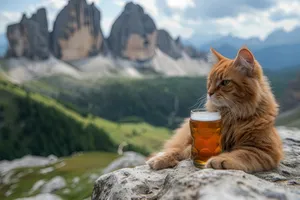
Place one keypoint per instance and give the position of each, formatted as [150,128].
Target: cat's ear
[244,61]
[214,56]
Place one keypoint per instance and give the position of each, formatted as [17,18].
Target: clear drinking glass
[206,133]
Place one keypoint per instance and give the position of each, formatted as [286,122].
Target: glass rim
[202,110]
[202,114]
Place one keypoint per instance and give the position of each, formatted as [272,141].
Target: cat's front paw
[219,162]
[162,161]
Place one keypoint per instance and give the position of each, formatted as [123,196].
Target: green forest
[158,101]
[38,125]
[61,115]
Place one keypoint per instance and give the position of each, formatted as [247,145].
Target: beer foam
[205,116]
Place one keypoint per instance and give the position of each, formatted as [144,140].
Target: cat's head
[234,83]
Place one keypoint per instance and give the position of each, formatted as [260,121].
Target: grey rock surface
[26,161]
[133,34]
[30,37]
[37,186]
[187,182]
[129,159]
[42,197]
[54,184]
[77,33]
[167,44]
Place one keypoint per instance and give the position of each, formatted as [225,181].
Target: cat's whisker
[202,101]
[195,105]
[199,102]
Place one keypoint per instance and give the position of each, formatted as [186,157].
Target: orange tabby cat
[240,92]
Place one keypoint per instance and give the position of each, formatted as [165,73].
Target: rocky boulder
[26,161]
[42,197]
[77,33]
[54,184]
[133,34]
[30,37]
[187,182]
[129,159]
[167,45]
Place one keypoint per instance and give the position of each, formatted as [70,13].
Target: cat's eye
[225,82]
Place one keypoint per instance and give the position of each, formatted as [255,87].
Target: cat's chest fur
[230,132]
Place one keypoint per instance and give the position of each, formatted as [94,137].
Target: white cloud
[120,3]
[54,3]
[106,25]
[175,25]
[10,15]
[175,28]
[7,18]
[192,22]
[289,7]
[258,24]
[255,23]
[180,4]
[247,24]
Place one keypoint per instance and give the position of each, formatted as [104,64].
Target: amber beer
[206,133]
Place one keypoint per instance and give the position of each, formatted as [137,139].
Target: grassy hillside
[158,101]
[34,124]
[84,167]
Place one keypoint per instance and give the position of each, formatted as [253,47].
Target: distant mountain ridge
[232,41]
[282,37]
[280,49]
[134,45]
[270,57]
[275,38]
[134,42]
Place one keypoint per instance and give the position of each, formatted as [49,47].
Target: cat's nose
[210,93]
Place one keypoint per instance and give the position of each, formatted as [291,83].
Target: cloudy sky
[188,18]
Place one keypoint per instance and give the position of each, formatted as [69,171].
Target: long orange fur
[248,109]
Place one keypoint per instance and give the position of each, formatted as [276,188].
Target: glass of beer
[206,133]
